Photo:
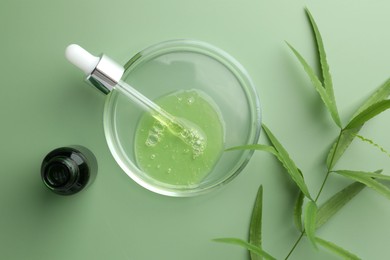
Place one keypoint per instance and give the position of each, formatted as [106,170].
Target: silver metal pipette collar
[106,74]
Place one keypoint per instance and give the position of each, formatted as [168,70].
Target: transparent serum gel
[169,160]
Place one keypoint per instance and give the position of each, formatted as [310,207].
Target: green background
[44,104]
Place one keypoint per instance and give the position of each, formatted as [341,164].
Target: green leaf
[336,202]
[368,113]
[255,225]
[288,163]
[346,137]
[330,105]
[255,249]
[375,175]
[340,145]
[327,78]
[259,147]
[310,221]
[380,94]
[369,141]
[336,249]
[367,179]
[298,211]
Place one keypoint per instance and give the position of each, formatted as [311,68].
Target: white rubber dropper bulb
[81,58]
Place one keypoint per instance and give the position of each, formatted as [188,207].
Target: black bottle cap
[67,170]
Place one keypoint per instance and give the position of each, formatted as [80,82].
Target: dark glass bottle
[67,170]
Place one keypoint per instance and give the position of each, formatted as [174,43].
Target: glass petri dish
[185,65]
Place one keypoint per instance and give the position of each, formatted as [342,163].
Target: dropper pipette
[106,74]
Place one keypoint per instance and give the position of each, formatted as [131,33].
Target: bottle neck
[61,174]
[106,74]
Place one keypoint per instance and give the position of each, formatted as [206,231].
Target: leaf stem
[329,170]
[322,185]
[295,245]
[330,165]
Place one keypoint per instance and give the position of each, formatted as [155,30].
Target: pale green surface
[45,104]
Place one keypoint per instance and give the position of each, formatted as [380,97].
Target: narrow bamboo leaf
[347,136]
[321,51]
[380,94]
[250,247]
[256,222]
[369,141]
[327,78]
[330,105]
[298,211]
[310,221]
[367,179]
[368,113]
[336,249]
[340,145]
[336,202]
[259,147]
[375,175]
[288,163]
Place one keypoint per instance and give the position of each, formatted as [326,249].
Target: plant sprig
[307,215]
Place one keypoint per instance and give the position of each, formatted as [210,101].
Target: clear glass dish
[184,65]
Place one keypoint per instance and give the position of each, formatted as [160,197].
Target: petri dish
[185,65]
